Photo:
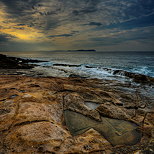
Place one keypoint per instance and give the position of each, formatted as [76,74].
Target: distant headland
[91,50]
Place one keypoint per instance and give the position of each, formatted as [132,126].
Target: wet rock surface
[140,78]
[74,115]
[16,63]
[117,132]
[67,65]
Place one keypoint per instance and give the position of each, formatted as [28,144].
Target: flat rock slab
[117,132]
[34,113]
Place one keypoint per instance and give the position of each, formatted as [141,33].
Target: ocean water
[92,64]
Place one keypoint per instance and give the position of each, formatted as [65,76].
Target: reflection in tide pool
[117,132]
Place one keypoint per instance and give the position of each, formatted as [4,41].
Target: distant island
[93,50]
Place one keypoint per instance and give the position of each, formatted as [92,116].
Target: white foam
[49,71]
[86,72]
[142,70]
[95,72]
[45,63]
[89,72]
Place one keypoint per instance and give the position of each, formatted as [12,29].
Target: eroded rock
[26,137]
[76,103]
[112,111]
[7,114]
[31,111]
[117,132]
[34,121]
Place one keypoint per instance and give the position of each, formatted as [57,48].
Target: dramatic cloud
[75,24]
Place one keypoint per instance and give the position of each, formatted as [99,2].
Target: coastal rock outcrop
[74,115]
[16,63]
[140,78]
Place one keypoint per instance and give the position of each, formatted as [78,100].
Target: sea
[91,64]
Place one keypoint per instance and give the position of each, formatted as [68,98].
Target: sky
[104,25]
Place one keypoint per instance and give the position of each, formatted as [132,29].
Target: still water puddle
[91,105]
[117,132]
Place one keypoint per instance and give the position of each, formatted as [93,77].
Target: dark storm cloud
[143,34]
[84,11]
[148,5]
[94,24]
[62,35]
[20,24]
[143,21]
[5,38]
[22,11]
[87,17]
[19,7]
[109,11]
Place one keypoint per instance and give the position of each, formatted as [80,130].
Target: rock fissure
[30,122]
[38,119]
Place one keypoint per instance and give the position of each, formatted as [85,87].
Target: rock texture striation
[74,115]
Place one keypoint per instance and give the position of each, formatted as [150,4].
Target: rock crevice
[65,115]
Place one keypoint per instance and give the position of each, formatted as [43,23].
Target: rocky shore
[75,115]
[16,63]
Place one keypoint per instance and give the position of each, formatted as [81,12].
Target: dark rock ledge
[140,78]
[7,62]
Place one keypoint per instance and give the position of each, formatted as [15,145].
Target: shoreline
[40,114]
[21,66]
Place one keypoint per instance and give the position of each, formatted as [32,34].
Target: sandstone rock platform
[74,115]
